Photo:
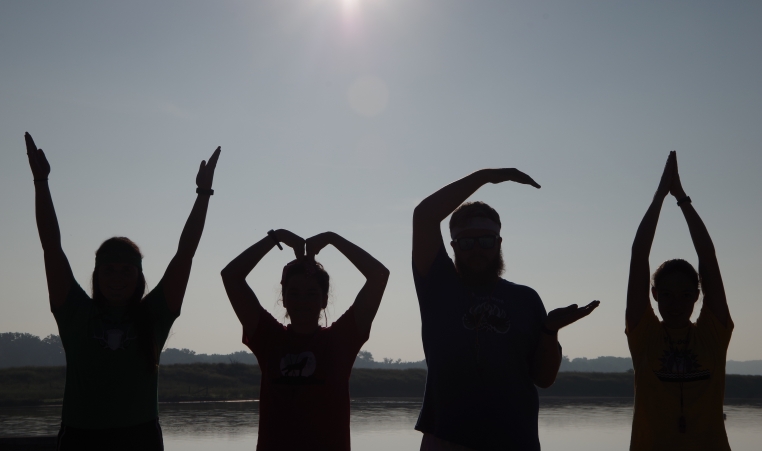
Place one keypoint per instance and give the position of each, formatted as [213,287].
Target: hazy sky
[342,115]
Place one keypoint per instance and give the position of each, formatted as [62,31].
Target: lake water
[382,424]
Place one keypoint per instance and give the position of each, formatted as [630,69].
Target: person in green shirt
[113,339]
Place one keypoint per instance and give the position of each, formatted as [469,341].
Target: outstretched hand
[206,171]
[562,317]
[291,240]
[665,184]
[316,243]
[513,175]
[37,161]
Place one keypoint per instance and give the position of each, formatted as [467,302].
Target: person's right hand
[512,175]
[291,240]
[37,161]
[665,184]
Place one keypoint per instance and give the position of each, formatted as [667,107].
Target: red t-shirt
[304,396]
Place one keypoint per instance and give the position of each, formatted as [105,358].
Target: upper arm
[59,276]
[368,300]
[638,287]
[714,289]
[427,239]
[244,302]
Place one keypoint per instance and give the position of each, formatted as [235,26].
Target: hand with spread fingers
[206,171]
[562,317]
[37,161]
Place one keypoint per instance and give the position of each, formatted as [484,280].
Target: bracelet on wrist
[684,200]
[271,234]
[205,191]
[40,180]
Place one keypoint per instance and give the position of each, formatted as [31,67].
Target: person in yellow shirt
[679,365]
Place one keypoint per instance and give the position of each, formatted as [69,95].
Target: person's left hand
[562,317]
[206,171]
[316,243]
[676,189]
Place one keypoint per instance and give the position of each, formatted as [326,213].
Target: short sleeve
[707,324]
[268,328]
[347,337]
[161,316]
[637,337]
[74,311]
[441,276]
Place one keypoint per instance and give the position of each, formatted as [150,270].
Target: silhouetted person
[487,341]
[679,365]
[304,397]
[113,340]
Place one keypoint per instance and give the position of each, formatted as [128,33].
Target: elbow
[544,381]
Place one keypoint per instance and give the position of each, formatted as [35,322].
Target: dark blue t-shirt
[478,346]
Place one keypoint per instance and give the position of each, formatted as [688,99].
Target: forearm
[194,227]
[547,361]
[45,213]
[363,261]
[242,265]
[702,241]
[644,237]
[437,206]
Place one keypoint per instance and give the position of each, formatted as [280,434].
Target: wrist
[549,331]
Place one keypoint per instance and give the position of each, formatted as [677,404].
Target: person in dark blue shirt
[488,342]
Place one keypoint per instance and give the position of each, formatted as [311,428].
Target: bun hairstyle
[120,249]
[469,210]
[675,266]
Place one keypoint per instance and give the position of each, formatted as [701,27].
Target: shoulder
[522,291]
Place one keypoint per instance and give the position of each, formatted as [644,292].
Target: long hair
[136,309]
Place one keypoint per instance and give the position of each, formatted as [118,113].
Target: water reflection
[380,424]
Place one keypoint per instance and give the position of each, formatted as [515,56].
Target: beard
[487,276]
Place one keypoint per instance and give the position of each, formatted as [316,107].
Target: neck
[677,324]
[304,327]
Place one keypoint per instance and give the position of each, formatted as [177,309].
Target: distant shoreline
[204,382]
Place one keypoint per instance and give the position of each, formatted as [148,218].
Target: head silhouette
[476,243]
[675,287]
[305,285]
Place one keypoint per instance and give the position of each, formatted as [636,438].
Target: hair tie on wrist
[205,191]
[684,200]
[271,234]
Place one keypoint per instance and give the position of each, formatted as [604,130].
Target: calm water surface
[382,424]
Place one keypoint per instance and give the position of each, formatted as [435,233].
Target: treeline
[225,382]
[22,349]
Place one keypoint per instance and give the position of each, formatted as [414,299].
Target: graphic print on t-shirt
[114,336]
[298,369]
[487,314]
[680,365]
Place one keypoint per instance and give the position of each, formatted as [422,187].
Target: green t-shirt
[108,383]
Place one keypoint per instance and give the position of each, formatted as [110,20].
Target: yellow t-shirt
[664,364]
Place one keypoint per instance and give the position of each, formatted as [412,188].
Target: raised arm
[57,269]
[376,275]
[709,268]
[242,297]
[434,209]
[175,279]
[638,292]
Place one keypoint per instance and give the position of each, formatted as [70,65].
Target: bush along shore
[228,382]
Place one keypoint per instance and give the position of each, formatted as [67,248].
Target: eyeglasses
[467,243]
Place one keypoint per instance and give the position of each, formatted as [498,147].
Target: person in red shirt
[304,396]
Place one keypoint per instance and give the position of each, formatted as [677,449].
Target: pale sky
[342,115]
